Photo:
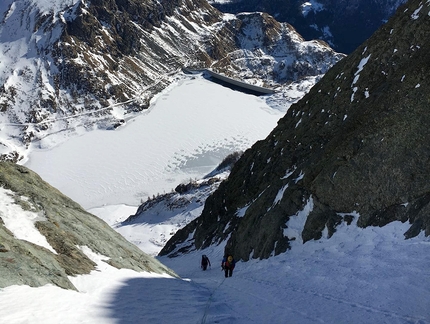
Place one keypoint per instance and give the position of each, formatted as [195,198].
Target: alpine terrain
[68,65]
[95,64]
[342,24]
[111,101]
[353,151]
[63,235]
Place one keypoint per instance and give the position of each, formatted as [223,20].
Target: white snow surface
[311,6]
[220,1]
[367,275]
[21,222]
[185,134]
[359,275]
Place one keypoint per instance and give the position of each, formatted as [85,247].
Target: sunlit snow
[21,222]
[184,135]
[369,275]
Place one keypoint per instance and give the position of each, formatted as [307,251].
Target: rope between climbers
[208,303]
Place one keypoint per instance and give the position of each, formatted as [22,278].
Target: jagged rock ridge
[68,230]
[355,149]
[69,64]
[342,24]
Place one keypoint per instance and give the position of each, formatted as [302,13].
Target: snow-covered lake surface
[184,135]
[358,276]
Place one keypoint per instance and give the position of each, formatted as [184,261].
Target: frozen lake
[186,132]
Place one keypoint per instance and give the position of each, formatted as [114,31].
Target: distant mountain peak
[342,24]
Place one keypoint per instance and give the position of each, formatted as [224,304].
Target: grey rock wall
[355,148]
[67,227]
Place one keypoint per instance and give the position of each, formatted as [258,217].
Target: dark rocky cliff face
[67,228]
[355,149]
[343,24]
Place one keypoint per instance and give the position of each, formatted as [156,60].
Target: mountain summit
[354,150]
[342,24]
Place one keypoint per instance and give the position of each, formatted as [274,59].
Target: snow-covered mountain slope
[165,214]
[359,276]
[353,147]
[273,53]
[187,131]
[45,237]
[342,24]
[87,64]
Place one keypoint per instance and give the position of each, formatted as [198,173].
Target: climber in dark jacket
[205,262]
[227,265]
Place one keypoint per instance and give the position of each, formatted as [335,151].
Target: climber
[205,262]
[227,265]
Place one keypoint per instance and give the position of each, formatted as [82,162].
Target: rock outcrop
[342,24]
[355,149]
[69,231]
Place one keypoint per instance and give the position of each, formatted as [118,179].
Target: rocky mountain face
[354,150]
[68,64]
[342,24]
[179,207]
[69,231]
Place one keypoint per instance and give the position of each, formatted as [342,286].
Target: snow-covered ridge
[42,233]
[53,6]
[339,23]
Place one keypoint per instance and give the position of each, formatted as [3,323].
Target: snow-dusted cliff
[69,64]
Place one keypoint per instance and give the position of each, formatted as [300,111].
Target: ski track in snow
[309,294]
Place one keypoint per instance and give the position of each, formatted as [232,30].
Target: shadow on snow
[165,300]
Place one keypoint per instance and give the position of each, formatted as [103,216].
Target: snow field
[185,134]
[358,276]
